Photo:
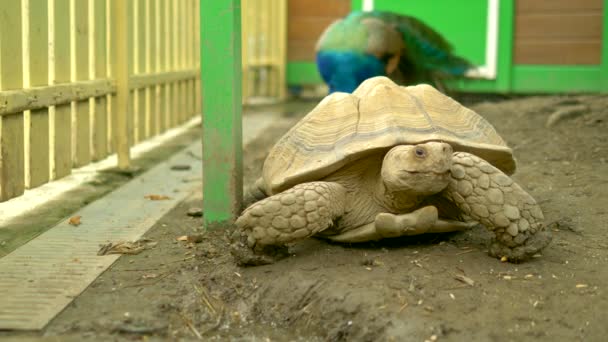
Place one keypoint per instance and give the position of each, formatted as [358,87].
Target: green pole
[221,107]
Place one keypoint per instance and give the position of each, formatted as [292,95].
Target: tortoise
[388,161]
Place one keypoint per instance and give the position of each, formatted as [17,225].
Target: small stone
[457,171]
[486,168]
[280,222]
[495,196]
[480,210]
[288,199]
[511,212]
[464,188]
[195,212]
[523,225]
[500,220]
[501,179]
[297,222]
[310,195]
[512,229]
[310,206]
[272,206]
[473,172]
[483,181]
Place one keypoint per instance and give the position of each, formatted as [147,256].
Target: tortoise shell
[377,116]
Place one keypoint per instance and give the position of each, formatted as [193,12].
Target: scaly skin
[489,196]
[293,214]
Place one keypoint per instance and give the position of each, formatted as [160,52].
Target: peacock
[377,43]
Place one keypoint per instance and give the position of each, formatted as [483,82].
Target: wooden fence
[59,72]
[264,42]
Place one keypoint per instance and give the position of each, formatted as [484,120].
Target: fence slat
[190,56]
[79,39]
[139,64]
[35,68]
[11,126]
[151,108]
[98,70]
[168,46]
[110,55]
[197,56]
[161,92]
[121,69]
[59,72]
[282,49]
[175,89]
[181,52]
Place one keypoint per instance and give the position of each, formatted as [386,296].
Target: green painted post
[604,65]
[221,103]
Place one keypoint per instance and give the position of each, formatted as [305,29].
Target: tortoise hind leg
[489,196]
[254,193]
[291,215]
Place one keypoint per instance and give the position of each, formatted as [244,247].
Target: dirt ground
[428,288]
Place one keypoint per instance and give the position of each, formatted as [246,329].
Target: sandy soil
[434,287]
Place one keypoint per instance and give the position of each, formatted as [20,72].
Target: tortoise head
[422,169]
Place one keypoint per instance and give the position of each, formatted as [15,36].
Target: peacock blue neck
[344,70]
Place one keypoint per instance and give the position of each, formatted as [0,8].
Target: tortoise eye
[420,152]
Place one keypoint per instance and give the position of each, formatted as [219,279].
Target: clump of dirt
[433,287]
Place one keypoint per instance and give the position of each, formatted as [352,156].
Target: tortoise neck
[395,201]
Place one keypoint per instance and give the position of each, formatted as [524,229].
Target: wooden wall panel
[527,6]
[558,32]
[306,21]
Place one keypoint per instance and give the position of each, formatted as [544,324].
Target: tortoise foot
[254,256]
[531,246]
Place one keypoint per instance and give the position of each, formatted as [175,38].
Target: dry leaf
[157,197]
[182,238]
[75,220]
[464,279]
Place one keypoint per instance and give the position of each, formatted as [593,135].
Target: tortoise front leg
[489,196]
[291,215]
[387,225]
